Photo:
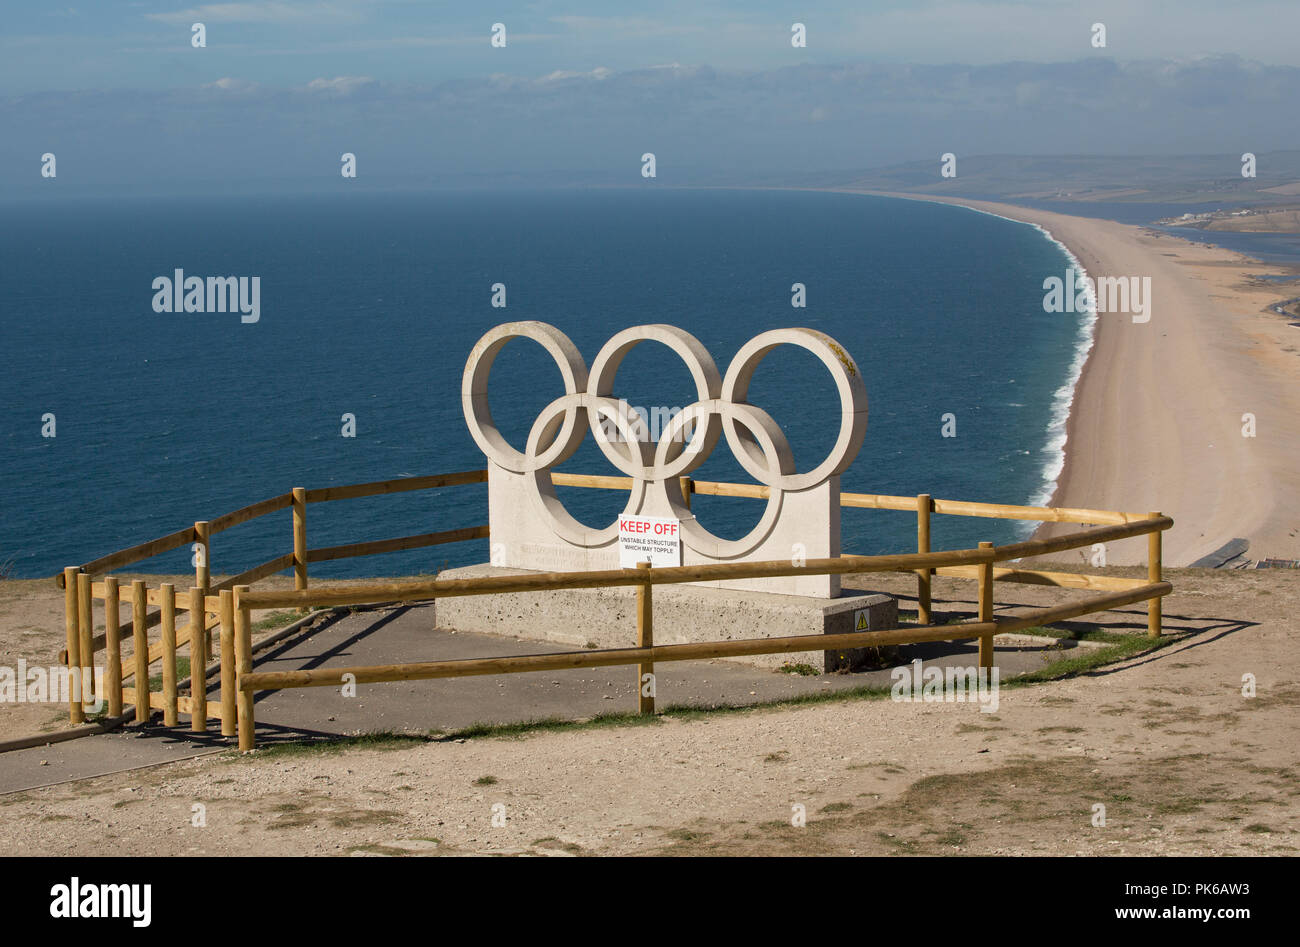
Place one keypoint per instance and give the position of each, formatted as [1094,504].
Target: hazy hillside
[1148,179]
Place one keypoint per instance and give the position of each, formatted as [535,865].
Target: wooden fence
[227,606]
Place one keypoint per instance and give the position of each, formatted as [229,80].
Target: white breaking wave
[1063,398]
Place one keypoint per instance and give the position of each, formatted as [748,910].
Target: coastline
[1064,397]
[1156,416]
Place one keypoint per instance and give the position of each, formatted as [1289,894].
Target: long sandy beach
[1157,421]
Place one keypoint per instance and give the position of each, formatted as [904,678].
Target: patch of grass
[545,725]
[306,813]
[379,850]
[396,740]
[951,837]
[182,672]
[1062,634]
[378,817]
[377,740]
[865,692]
[897,844]
[836,807]
[803,670]
[275,620]
[552,842]
[1259,829]
[1128,646]
[486,781]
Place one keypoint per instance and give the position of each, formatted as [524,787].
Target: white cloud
[343,85]
[600,72]
[229,84]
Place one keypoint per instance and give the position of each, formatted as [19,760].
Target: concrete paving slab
[99,755]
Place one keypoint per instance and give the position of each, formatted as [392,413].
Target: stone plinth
[606,617]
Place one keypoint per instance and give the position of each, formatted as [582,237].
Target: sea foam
[1063,398]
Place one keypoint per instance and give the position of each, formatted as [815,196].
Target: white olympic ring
[756,440]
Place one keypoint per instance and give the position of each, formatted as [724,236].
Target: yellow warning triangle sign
[862,622]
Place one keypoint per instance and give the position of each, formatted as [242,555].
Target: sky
[581,90]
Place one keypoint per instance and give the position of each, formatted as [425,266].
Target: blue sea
[370,304]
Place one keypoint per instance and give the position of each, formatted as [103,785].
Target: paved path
[407,633]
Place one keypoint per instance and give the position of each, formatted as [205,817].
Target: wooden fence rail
[146,550]
[693,651]
[412,590]
[646,654]
[226,606]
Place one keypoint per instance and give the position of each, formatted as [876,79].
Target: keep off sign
[649,539]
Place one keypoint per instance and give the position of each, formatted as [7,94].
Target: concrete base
[606,618]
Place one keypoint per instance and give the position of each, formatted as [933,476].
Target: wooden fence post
[986,608]
[168,595]
[244,665]
[113,645]
[300,541]
[76,713]
[1154,568]
[140,635]
[923,505]
[227,613]
[86,627]
[198,662]
[686,484]
[645,638]
[202,571]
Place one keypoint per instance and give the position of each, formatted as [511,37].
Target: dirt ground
[1166,741]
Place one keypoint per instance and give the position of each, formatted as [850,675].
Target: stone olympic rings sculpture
[721,409]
